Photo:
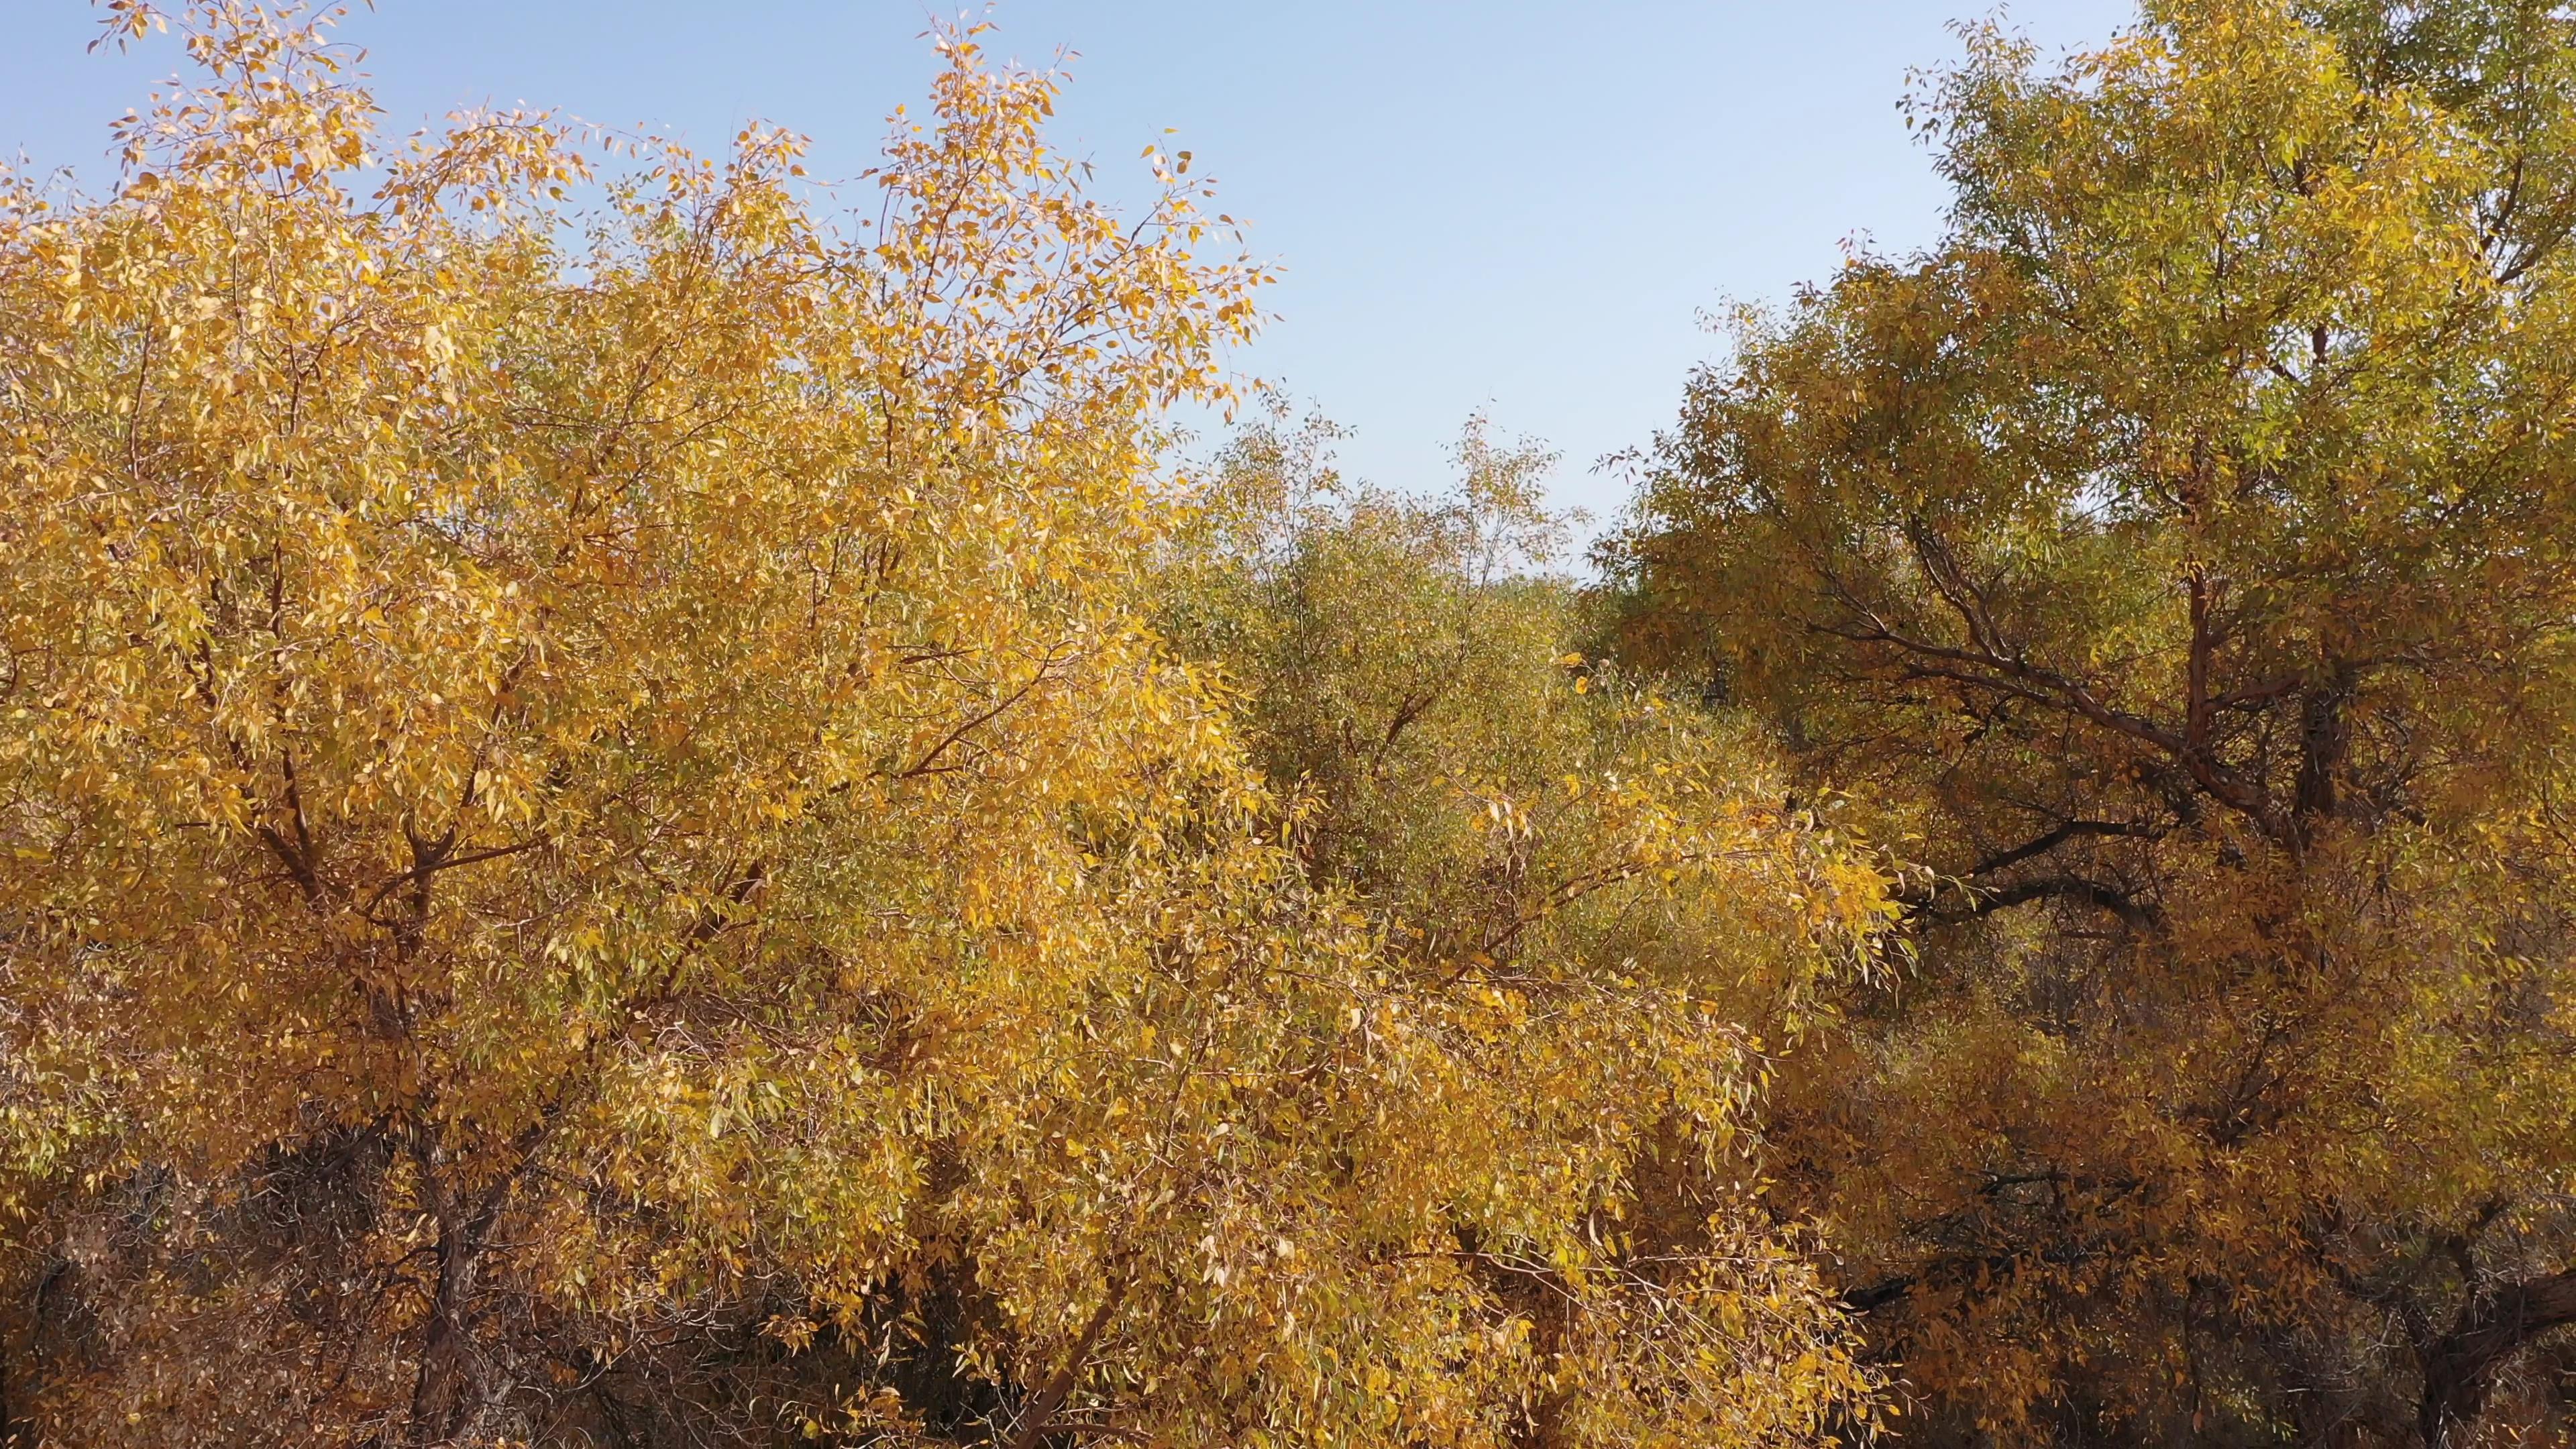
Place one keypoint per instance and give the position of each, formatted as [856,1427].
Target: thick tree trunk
[451,1388]
[448,1388]
[2461,1367]
[1037,1418]
[2325,739]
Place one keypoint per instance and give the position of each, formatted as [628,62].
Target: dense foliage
[2179,556]
[639,809]
[603,847]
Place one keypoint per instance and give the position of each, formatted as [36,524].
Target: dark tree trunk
[449,1387]
[452,1385]
[1037,1417]
[2461,1367]
[2325,738]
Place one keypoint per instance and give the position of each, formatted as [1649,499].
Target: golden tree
[598,847]
[2181,549]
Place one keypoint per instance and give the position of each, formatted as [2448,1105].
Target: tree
[2179,553]
[1613,873]
[602,849]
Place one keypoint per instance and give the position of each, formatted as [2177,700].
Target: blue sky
[1513,206]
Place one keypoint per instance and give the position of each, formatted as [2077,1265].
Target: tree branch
[2071,830]
[1039,1419]
[2461,1367]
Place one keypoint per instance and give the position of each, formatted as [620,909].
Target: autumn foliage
[603,847]
[638,805]
[2178,556]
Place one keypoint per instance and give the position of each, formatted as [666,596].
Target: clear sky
[1520,206]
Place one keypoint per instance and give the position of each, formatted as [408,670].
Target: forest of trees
[635,811]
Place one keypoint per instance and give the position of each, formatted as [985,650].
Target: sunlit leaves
[597,827]
[2179,549]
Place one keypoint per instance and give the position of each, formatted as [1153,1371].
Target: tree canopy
[645,803]
[2179,553]
[605,847]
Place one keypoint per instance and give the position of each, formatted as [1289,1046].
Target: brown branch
[1983,668]
[1566,893]
[2461,1367]
[1039,1420]
[436,860]
[2204,646]
[296,867]
[928,763]
[2071,830]
[1986,902]
[2325,739]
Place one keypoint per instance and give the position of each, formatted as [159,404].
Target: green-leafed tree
[1524,822]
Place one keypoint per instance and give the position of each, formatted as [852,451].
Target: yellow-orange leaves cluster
[594,846]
